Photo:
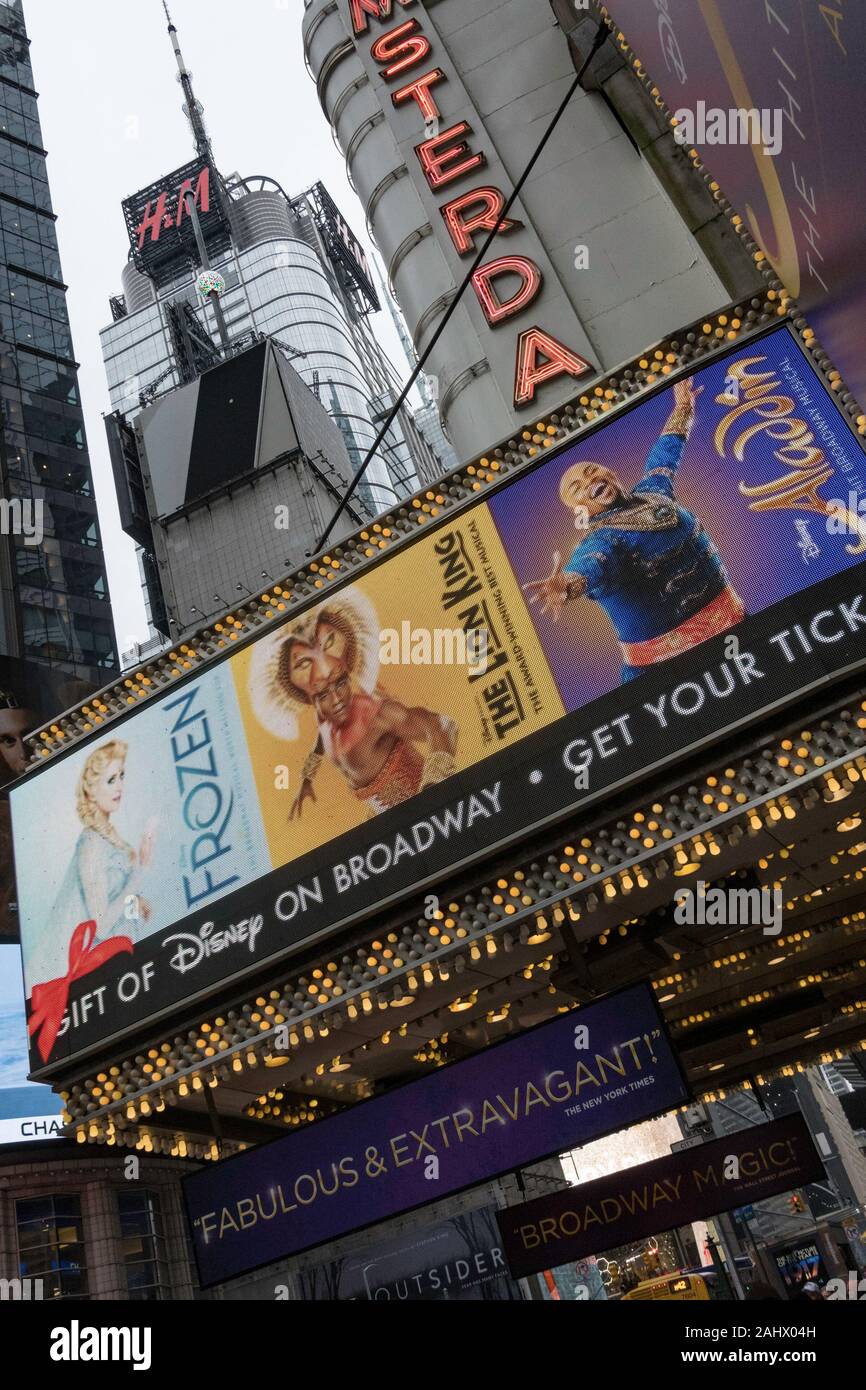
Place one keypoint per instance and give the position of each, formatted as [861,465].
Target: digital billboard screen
[519,1101]
[792,70]
[28,1110]
[672,575]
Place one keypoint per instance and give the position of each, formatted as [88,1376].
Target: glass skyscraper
[54,604]
[279,282]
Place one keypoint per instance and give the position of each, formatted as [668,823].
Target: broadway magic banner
[673,1191]
[512,1104]
[671,576]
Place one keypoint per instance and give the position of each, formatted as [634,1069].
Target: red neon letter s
[405,40]
[461,228]
[496,309]
[531,372]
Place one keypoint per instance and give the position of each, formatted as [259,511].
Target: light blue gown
[95,863]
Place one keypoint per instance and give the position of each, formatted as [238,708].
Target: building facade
[54,601]
[75,1228]
[438,108]
[279,282]
[226,481]
[363,957]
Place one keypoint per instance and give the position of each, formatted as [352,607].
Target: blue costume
[652,567]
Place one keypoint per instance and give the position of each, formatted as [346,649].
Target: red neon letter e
[442,157]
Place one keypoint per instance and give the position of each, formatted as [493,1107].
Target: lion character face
[318,667]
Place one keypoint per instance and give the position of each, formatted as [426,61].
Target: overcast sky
[110,107]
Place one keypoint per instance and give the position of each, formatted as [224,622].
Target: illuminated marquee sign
[176,862]
[760,1161]
[508,285]
[556,1086]
[159,226]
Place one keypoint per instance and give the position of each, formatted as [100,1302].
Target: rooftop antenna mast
[192,109]
[195,116]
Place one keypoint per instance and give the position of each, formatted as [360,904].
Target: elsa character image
[102,881]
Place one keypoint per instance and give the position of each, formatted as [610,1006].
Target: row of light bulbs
[406,953]
[699,340]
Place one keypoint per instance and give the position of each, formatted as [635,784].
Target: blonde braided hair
[91,817]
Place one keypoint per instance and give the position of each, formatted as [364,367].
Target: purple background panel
[760,550]
[270,1203]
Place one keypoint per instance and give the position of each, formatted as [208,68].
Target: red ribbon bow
[48,1001]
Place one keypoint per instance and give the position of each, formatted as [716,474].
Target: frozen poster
[155,820]
[713,500]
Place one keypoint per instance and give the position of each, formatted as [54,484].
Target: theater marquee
[674,574]
[556,1086]
[760,1161]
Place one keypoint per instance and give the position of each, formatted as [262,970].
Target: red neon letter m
[379,9]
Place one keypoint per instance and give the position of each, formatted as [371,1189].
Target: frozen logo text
[207,808]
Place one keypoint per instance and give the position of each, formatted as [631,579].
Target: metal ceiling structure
[571,920]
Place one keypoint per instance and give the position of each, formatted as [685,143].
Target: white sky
[110,108]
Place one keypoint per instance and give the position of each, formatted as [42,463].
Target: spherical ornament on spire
[210,282]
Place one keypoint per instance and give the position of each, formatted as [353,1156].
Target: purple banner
[796,64]
[593,1217]
[584,1075]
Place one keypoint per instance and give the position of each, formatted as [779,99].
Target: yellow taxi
[679,1286]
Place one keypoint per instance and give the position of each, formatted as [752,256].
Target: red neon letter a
[533,345]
